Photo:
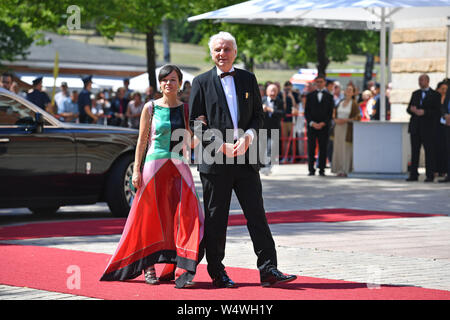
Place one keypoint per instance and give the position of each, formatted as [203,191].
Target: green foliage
[13,41]
[23,21]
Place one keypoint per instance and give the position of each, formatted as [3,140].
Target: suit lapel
[239,94]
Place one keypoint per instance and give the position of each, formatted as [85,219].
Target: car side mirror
[39,123]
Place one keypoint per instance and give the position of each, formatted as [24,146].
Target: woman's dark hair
[167,69]
[440,84]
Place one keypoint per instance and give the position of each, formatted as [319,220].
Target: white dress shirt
[319,95]
[229,89]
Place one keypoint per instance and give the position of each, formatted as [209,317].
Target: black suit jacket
[377,106]
[431,105]
[273,120]
[208,98]
[319,111]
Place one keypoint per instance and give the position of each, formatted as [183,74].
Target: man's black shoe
[223,281]
[311,173]
[445,180]
[274,277]
[412,179]
[429,179]
[322,174]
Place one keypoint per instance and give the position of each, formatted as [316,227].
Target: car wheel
[44,211]
[119,194]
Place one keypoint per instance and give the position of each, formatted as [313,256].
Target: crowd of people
[284,109]
[121,107]
[287,109]
[324,112]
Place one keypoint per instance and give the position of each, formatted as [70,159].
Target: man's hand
[416,111]
[201,118]
[316,126]
[241,146]
[447,119]
[227,149]
[267,109]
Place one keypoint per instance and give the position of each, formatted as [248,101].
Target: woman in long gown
[165,223]
[346,112]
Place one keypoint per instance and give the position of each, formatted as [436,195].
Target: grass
[196,56]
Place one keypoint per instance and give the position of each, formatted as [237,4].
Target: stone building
[419,45]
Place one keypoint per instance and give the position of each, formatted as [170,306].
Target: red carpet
[93,227]
[55,269]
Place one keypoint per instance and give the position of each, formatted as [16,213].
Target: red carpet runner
[115,226]
[77,272]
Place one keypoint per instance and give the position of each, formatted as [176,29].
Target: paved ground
[406,251]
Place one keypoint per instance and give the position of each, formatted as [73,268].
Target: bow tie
[223,75]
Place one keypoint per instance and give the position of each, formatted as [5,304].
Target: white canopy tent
[140,82]
[333,14]
[72,82]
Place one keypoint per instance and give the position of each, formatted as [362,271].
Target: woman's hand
[201,118]
[195,140]
[136,180]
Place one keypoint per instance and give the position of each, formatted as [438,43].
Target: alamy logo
[74,20]
[261,151]
[74,280]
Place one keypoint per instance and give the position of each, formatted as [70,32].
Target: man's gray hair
[223,35]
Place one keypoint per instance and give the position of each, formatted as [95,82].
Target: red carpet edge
[77,272]
[92,227]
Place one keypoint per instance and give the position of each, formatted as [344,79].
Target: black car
[46,163]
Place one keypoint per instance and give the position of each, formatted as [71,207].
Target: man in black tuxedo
[318,114]
[424,108]
[273,113]
[230,101]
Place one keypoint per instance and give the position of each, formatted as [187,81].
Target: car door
[35,168]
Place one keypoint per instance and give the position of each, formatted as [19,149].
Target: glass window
[14,113]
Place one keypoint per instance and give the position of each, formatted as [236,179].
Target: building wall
[418,46]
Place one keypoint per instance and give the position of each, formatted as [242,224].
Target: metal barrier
[292,140]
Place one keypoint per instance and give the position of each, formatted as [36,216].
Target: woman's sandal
[150,275]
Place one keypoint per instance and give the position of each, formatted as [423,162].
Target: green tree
[22,22]
[32,17]
[142,16]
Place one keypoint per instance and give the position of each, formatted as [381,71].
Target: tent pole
[383,65]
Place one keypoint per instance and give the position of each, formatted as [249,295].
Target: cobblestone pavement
[404,251]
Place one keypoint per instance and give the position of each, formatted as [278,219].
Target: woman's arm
[141,145]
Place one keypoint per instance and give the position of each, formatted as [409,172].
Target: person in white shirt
[61,96]
[230,100]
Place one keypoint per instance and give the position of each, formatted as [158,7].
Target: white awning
[140,82]
[337,14]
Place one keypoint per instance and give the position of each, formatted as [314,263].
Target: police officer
[85,102]
[39,97]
